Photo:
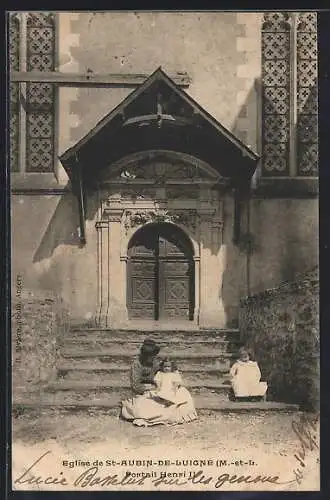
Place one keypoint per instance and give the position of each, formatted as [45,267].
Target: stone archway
[160,189]
[160,274]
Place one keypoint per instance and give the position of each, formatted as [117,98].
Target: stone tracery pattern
[40,96]
[14,63]
[276,93]
[307,94]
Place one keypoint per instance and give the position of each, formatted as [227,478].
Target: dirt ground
[252,444]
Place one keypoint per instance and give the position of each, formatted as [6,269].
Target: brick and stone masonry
[39,320]
[281,326]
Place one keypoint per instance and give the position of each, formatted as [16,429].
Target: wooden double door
[160,274]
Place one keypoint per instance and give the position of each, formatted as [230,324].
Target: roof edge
[159,72]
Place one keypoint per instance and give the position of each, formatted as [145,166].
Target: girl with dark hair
[144,368]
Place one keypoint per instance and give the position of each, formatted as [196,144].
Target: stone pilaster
[205,277]
[117,314]
[103,274]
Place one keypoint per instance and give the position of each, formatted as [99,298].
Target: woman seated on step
[245,378]
[159,396]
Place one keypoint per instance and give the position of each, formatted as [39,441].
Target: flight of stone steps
[93,369]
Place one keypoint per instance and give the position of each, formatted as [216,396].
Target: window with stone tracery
[14,64]
[289,99]
[32,48]
[307,95]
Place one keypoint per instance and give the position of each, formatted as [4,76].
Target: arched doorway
[160,274]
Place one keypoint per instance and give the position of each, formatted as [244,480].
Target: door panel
[160,276]
[143,288]
[174,289]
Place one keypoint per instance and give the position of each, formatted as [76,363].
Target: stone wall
[220,51]
[281,326]
[39,323]
[47,254]
[285,240]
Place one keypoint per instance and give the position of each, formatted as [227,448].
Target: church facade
[163,164]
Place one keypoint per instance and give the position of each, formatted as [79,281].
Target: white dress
[245,379]
[167,404]
[169,387]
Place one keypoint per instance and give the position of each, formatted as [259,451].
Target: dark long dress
[142,374]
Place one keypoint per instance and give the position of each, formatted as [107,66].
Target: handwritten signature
[91,477]
[306,429]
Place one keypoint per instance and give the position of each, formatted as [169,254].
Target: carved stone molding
[217,232]
[162,172]
[160,166]
[114,215]
[135,218]
[206,213]
[177,192]
[138,193]
[101,224]
[217,224]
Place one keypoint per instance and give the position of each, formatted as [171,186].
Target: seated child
[245,377]
[169,384]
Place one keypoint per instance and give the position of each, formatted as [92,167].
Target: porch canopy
[158,115]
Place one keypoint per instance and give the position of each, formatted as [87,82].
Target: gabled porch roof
[160,115]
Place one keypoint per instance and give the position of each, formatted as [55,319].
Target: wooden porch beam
[91,79]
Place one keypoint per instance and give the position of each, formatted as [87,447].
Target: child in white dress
[169,384]
[169,403]
[245,377]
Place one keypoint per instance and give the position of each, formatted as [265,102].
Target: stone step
[153,326]
[186,361]
[95,390]
[76,396]
[204,403]
[122,373]
[113,367]
[120,363]
[114,384]
[161,336]
[176,352]
[220,346]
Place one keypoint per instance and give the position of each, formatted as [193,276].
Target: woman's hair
[245,350]
[173,364]
[149,348]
